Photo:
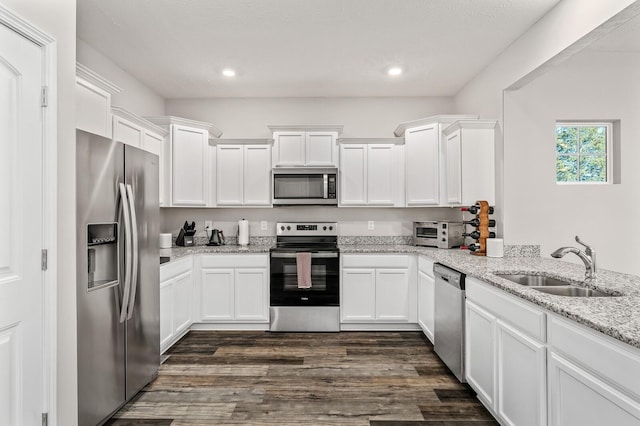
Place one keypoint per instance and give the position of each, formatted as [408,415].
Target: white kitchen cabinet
[243,175]
[134,130]
[93,101]
[378,289]
[176,300]
[505,356]
[470,162]
[310,146]
[186,164]
[234,288]
[592,377]
[426,296]
[422,158]
[371,174]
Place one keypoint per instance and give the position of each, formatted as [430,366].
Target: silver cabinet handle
[325,179]
[313,255]
[128,252]
[135,250]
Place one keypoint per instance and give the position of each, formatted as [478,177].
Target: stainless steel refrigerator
[118,298]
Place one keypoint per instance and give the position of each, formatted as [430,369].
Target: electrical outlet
[263,225]
[208,225]
[370,225]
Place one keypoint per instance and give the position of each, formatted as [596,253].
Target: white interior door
[21,229]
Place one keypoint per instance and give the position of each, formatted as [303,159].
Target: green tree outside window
[581,153]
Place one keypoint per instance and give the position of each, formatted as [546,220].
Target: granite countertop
[618,317]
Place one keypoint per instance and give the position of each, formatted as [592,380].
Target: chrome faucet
[588,256]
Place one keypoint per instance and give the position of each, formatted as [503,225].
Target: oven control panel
[307,228]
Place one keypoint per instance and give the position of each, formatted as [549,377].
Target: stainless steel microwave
[305,186]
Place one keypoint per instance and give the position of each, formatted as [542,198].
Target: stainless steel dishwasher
[448,339]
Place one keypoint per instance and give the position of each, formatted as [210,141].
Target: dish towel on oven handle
[303,264]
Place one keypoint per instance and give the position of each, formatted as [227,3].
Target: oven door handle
[313,255]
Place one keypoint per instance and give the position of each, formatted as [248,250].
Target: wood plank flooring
[348,378]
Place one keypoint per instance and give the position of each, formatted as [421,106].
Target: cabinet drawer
[517,313]
[235,260]
[614,361]
[175,268]
[425,265]
[375,261]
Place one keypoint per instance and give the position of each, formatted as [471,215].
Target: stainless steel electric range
[316,308]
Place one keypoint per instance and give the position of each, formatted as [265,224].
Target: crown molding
[445,119]
[241,141]
[167,120]
[96,79]
[395,141]
[136,119]
[470,124]
[306,128]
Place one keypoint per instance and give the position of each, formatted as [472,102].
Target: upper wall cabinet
[305,146]
[425,159]
[93,101]
[187,160]
[372,172]
[133,130]
[243,174]
[470,161]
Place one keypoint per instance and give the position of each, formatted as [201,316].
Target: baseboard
[379,327]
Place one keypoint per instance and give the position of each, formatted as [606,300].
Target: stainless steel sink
[573,291]
[533,280]
[553,285]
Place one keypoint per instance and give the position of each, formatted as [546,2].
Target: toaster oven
[438,234]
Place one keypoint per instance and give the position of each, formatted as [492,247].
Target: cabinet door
[189,157]
[166,314]
[320,149]
[521,378]
[392,295]
[257,175]
[127,132]
[454,171]
[577,398]
[230,175]
[155,144]
[480,358]
[251,295]
[182,299]
[358,288]
[381,182]
[426,305]
[93,109]
[422,166]
[353,175]
[289,149]
[217,294]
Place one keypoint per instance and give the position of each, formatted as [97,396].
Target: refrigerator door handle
[134,264]
[128,252]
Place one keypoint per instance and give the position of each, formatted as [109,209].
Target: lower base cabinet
[426,296]
[176,301]
[235,288]
[378,289]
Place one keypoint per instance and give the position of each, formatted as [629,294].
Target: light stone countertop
[618,317]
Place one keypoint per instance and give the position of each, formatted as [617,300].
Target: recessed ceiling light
[228,72]
[394,71]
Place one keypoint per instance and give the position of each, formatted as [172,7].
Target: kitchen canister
[495,247]
[243,232]
[165,240]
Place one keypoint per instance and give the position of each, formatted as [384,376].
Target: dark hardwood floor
[348,378]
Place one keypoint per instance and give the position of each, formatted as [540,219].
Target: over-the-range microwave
[305,186]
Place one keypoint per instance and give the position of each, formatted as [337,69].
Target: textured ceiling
[294,48]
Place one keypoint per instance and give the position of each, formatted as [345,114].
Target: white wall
[566,29]
[135,96]
[361,117]
[58,19]
[589,86]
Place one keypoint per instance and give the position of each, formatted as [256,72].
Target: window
[583,152]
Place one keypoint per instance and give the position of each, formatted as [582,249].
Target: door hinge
[44,259]
[45,419]
[44,96]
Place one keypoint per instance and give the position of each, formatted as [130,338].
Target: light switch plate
[263,225]
[370,225]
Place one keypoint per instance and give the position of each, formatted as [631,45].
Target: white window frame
[608,157]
